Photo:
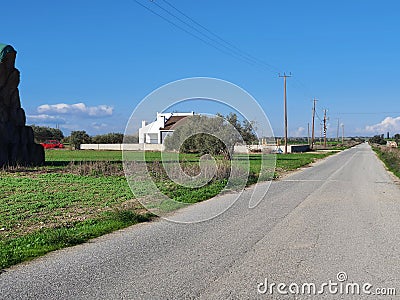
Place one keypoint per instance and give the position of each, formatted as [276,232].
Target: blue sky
[85,65]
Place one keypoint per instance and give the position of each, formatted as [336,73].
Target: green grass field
[283,162]
[79,195]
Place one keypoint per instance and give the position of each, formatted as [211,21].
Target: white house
[157,131]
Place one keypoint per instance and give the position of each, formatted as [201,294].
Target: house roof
[172,121]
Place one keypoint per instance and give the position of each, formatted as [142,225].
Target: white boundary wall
[160,147]
[120,147]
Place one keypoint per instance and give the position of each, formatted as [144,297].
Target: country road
[341,215]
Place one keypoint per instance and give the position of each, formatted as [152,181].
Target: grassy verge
[390,157]
[80,195]
[29,246]
[294,161]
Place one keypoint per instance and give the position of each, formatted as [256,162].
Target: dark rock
[17,146]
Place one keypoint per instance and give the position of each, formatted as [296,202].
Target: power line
[220,38]
[180,27]
[238,54]
[365,113]
[200,32]
[318,116]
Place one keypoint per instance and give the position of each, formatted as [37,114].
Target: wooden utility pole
[337,133]
[325,119]
[285,107]
[342,133]
[320,133]
[313,122]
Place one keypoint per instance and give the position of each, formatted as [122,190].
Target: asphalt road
[341,215]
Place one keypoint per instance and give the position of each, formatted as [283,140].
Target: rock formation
[17,146]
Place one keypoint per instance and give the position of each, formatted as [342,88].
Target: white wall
[160,147]
[267,148]
[126,147]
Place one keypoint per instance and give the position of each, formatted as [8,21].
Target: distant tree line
[78,137]
[81,137]
[43,133]
[380,139]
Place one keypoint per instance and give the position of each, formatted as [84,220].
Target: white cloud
[43,118]
[299,132]
[99,126]
[388,124]
[77,108]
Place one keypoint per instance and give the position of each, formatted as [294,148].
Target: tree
[377,139]
[79,137]
[109,138]
[131,139]
[43,133]
[247,132]
[66,140]
[205,135]
[246,128]
[397,137]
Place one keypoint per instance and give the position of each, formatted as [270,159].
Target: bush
[377,139]
[79,137]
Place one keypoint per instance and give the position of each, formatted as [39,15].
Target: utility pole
[325,119]
[337,133]
[313,121]
[342,133]
[320,134]
[285,107]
